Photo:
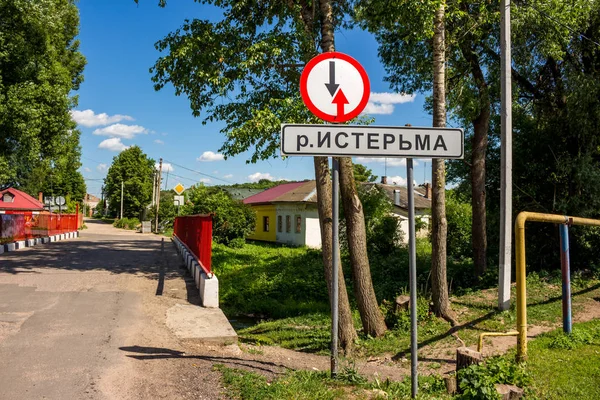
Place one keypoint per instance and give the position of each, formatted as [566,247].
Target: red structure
[195,232]
[14,227]
[13,201]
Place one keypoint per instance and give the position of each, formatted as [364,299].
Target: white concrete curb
[21,244]
[207,286]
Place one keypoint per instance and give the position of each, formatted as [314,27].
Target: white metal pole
[504,275]
[121,199]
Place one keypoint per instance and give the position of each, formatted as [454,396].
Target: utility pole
[153,189]
[122,199]
[159,181]
[506,160]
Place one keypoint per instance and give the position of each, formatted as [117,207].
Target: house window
[279,223]
[265,224]
[298,224]
[8,198]
[288,223]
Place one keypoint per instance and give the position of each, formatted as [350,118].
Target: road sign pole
[335,211]
[412,266]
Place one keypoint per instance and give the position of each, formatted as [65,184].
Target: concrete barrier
[10,246]
[1,248]
[45,240]
[20,244]
[30,242]
[208,286]
[209,291]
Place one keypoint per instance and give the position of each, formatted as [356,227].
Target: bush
[127,223]
[459,215]
[478,382]
[232,219]
[237,243]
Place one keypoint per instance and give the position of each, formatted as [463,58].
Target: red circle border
[316,111]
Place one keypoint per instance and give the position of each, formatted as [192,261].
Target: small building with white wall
[288,214]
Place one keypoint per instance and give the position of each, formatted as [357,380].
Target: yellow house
[287,214]
[265,223]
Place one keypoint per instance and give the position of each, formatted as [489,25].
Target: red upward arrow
[340,99]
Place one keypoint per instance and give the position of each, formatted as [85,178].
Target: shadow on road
[158,353]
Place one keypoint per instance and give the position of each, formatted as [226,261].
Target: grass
[283,290]
[315,385]
[566,373]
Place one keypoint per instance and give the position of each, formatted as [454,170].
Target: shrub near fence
[195,232]
[15,227]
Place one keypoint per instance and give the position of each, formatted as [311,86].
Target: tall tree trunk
[346,332]
[478,228]
[479,142]
[439,231]
[370,314]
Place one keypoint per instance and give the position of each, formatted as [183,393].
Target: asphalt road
[85,319]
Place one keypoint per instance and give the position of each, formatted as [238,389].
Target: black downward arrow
[332,86]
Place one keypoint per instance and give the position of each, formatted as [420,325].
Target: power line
[198,172]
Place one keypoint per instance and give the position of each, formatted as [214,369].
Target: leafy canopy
[136,171]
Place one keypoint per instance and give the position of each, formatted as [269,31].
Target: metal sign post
[335,213]
[412,268]
[336,88]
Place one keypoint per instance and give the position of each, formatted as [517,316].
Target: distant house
[13,201]
[287,214]
[398,195]
[91,202]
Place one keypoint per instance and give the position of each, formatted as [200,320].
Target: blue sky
[118,106]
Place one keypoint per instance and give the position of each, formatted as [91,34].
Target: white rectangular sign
[371,141]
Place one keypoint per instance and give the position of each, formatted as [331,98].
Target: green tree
[40,65]
[135,171]
[232,219]
[253,56]
[363,174]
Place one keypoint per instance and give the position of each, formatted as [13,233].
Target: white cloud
[86,169]
[382,109]
[205,180]
[257,176]
[158,141]
[113,144]
[228,176]
[102,167]
[390,161]
[396,180]
[210,156]
[166,167]
[383,103]
[89,119]
[391,98]
[121,131]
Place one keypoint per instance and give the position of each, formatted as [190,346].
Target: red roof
[288,192]
[20,201]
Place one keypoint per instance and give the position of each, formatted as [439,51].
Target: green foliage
[477,382]
[399,320]
[127,223]
[135,170]
[232,219]
[272,281]
[363,174]
[261,184]
[237,243]
[167,210]
[381,227]
[298,385]
[40,65]
[458,214]
[559,373]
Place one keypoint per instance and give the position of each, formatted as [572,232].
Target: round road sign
[335,87]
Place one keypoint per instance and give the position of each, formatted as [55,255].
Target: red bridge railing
[23,226]
[195,232]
